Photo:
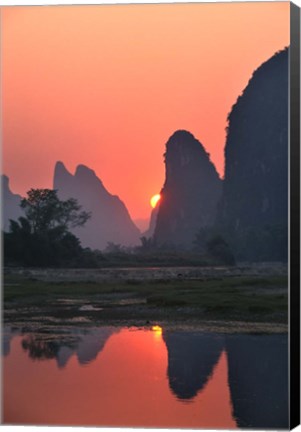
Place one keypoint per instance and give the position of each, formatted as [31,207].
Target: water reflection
[258,379]
[6,338]
[86,345]
[39,349]
[191,361]
[144,377]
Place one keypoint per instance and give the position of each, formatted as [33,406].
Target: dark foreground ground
[237,299]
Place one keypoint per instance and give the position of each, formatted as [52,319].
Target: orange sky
[107,85]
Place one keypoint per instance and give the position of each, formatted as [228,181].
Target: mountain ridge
[110,220]
[190,193]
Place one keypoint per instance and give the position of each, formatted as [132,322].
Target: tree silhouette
[42,237]
[44,211]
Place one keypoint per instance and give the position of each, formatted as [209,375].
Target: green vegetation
[154,258]
[232,298]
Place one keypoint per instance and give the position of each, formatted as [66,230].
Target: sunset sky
[106,86]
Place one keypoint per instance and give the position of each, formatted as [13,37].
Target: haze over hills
[141,224]
[254,206]
[190,193]
[110,220]
[11,204]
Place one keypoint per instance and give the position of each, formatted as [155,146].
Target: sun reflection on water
[157,330]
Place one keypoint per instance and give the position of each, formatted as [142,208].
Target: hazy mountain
[11,204]
[255,190]
[110,220]
[190,193]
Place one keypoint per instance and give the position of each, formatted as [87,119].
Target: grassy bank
[244,299]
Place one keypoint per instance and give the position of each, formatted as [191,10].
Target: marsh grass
[246,298]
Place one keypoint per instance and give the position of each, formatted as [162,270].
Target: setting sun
[154,200]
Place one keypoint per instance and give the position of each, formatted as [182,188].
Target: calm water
[110,376]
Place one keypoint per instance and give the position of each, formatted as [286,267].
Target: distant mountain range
[110,220]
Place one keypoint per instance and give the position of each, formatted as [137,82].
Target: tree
[42,237]
[113,248]
[45,211]
[147,244]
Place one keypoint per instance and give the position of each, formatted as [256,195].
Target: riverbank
[219,299]
[150,273]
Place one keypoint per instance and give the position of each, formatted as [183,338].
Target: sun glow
[154,200]
[157,330]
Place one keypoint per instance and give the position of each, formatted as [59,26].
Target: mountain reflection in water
[191,361]
[258,380]
[85,345]
[138,377]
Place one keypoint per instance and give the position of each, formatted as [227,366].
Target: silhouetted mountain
[258,380]
[191,191]
[110,220]
[11,204]
[254,206]
[152,224]
[191,360]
